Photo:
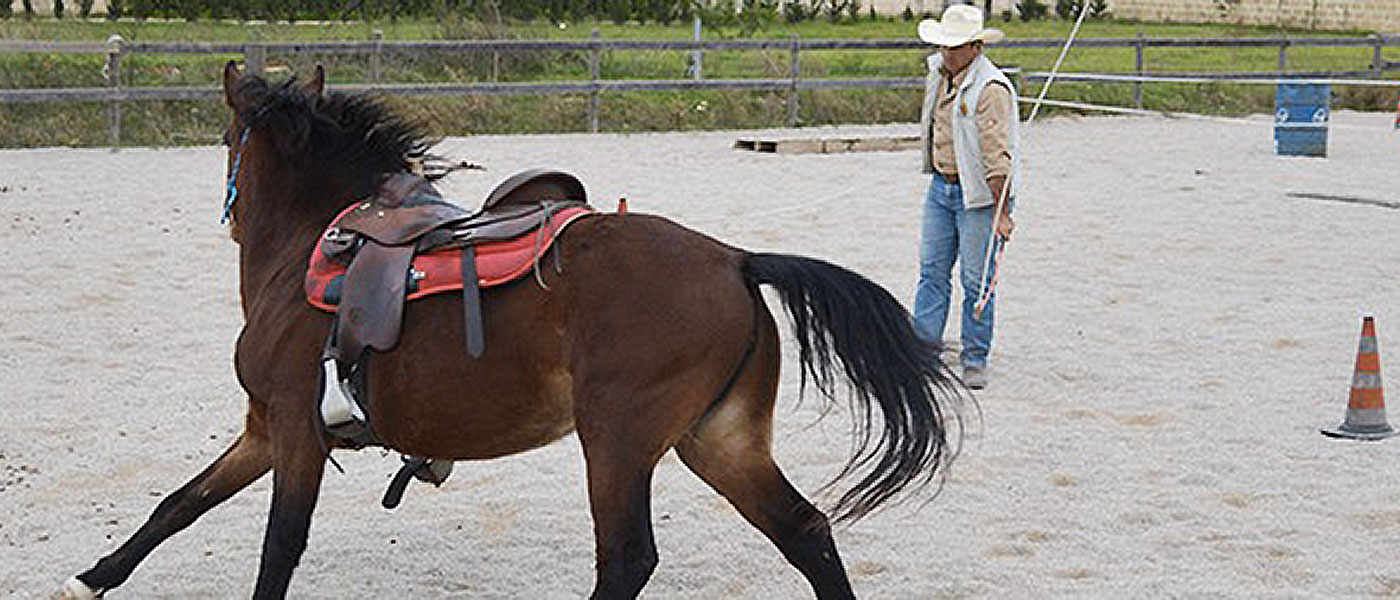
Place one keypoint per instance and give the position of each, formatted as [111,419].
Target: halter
[231,187]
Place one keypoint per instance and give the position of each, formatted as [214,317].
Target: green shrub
[189,11]
[795,12]
[1032,10]
[1068,9]
[619,11]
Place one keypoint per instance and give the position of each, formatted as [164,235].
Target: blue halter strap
[231,188]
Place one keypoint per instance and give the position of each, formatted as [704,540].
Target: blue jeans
[951,234]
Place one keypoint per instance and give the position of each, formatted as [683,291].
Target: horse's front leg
[243,463]
[298,461]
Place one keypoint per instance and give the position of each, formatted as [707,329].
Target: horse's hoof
[75,589]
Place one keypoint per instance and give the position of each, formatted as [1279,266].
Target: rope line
[987,286]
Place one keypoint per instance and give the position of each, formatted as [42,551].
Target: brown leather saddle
[408,216]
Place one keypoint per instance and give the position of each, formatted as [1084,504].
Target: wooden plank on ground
[829,145]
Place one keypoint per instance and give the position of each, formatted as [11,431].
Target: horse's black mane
[353,134]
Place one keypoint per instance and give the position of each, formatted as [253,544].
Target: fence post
[254,54]
[697,57]
[794,70]
[1377,58]
[1137,87]
[1282,57]
[594,68]
[112,72]
[376,61]
[254,57]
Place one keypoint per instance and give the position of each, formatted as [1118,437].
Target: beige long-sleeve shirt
[995,108]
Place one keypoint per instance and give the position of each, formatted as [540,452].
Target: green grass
[174,123]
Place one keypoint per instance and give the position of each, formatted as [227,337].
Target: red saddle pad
[441,271]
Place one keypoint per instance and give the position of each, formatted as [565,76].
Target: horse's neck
[278,233]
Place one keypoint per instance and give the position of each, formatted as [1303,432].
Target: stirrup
[341,414]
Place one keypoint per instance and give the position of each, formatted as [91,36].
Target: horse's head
[297,153]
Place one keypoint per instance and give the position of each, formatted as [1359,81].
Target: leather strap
[394,495]
[472,327]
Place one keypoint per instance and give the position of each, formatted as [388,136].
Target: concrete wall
[45,7]
[935,7]
[1367,15]
[884,7]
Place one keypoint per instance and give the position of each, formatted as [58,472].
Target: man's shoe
[975,377]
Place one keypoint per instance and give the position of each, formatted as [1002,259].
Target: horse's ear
[231,76]
[317,85]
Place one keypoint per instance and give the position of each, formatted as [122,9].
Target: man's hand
[1005,224]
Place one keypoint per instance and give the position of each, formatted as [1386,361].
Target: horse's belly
[478,422]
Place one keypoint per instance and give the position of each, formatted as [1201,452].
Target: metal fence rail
[254,56]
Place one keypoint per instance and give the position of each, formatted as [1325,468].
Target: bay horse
[649,337]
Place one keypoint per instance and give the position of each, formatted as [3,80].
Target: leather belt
[953,179]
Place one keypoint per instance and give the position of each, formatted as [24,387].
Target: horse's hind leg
[730,449]
[244,462]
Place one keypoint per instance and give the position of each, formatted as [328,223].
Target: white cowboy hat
[962,23]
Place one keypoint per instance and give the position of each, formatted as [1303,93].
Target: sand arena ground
[1174,328]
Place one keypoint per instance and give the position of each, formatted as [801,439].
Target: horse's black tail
[847,324]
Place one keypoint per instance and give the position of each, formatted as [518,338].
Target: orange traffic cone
[1365,418]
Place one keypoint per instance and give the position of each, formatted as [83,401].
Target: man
[971,147]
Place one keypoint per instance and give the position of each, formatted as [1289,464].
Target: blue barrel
[1301,114]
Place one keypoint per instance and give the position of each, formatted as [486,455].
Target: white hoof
[75,589]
